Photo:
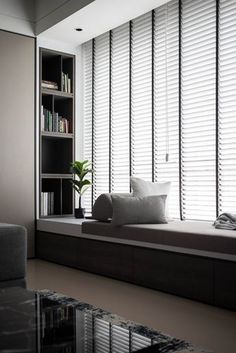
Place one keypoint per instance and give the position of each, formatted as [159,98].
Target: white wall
[17,16]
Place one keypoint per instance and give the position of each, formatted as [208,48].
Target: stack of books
[66,83]
[52,122]
[47,203]
[49,84]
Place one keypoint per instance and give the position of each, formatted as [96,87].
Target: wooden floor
[200,324]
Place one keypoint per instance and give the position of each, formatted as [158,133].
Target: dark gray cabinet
[225,284]
[86,254]
[60,249]
[180,274]
[105,259]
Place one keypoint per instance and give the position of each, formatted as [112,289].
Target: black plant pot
[79,212]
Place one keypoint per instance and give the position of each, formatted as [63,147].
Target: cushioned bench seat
[190,235]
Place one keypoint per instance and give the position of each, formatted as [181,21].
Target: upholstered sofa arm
[12,252]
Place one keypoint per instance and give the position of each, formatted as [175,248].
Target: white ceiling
[98,17]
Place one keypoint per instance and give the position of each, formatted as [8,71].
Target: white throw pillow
[143,188]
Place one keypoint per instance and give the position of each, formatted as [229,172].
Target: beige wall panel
[17,89]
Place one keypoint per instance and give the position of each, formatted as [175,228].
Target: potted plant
[80,169]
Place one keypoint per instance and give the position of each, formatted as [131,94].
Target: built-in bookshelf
[56,132]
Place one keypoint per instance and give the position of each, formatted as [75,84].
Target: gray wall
[49,13]
[32,17]
[17,89]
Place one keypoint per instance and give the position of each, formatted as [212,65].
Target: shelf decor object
[56,133]
[80,170]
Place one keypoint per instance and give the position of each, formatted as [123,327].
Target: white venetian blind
[84,345]
[139,342]
[101,115]
[141,97]
[198,75]
[87,79]
[120,109]
[166,100]
[227,106]
[101,336]
[120,339]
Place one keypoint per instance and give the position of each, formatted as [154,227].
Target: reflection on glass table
[47,322]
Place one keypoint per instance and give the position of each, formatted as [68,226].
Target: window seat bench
[189,259]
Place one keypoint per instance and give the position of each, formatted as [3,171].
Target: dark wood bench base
[208,280]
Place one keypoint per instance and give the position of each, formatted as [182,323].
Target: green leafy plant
[80,169]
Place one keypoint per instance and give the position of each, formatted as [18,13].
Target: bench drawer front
[225,284]
[107,259]
[57,248]
[178,274]
[113,260]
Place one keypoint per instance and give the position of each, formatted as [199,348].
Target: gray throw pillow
[134,210]
[102,208]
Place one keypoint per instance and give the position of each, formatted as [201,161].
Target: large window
[227,106]
[160,104]
[166,100]
[101,115]
[141,97]
[88,111]
[198,109]
[120,159]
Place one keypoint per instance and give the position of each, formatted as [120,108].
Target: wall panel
[17,182]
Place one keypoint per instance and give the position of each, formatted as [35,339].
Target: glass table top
[44,321]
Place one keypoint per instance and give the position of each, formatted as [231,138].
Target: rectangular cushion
[190,235]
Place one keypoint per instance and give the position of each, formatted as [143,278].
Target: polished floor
[203,325]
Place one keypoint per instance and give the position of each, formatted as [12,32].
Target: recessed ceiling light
[79,29]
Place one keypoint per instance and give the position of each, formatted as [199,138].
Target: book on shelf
[47,203]
[52,122]
[49,84]
[42,119]
[66,83]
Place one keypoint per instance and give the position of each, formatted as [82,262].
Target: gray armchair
[12,255]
